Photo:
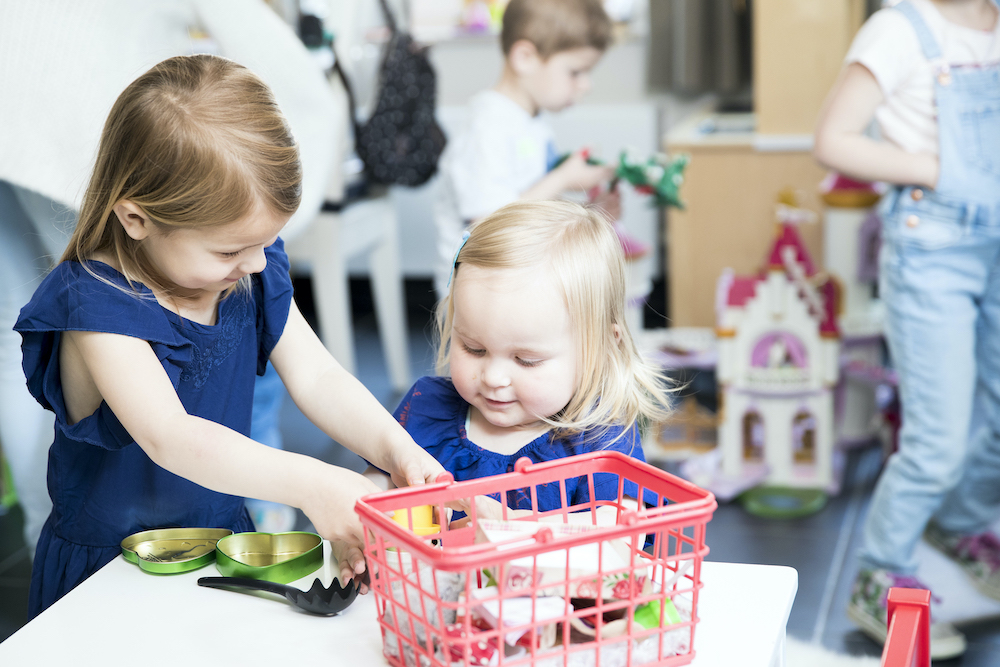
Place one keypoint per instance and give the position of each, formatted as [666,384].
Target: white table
[123,615]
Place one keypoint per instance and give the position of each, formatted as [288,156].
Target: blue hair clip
[454,262]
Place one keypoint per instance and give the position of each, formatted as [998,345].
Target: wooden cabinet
[730,189]
[799,46]
[737,171]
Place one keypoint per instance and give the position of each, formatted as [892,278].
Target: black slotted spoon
[317,600]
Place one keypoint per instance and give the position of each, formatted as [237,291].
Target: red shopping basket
[595,582]
[908,641]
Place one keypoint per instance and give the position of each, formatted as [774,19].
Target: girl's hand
[344,554]
[410,464]
[576,173]
[331,510]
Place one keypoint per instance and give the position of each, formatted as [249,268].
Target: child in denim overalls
[929,72]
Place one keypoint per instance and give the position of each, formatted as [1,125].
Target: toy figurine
[659,176]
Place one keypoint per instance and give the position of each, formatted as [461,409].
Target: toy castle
[778,364]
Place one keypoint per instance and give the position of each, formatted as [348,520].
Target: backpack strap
[390,20]
[351,105]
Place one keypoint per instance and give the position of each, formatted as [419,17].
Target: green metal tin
[278,557]
[172,550]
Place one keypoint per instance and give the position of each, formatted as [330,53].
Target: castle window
[804,437]
[753,437]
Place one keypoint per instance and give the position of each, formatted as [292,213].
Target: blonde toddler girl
[535,355]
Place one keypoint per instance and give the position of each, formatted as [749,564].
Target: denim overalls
[940,281]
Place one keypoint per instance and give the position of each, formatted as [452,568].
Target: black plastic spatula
[317,600]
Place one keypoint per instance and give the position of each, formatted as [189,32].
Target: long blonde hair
[196,141]
[578,245]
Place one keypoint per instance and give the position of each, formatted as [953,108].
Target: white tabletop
[123,615]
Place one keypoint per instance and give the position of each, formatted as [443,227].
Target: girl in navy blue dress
[144,340]
[535,355]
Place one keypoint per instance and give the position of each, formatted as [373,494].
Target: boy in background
[506,151]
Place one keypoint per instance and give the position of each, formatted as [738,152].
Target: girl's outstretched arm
[573,174]
[125,372]
[338,403]
[841,143]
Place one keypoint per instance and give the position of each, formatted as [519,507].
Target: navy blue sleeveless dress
[102,484]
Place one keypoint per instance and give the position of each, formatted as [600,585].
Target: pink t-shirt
[887,45]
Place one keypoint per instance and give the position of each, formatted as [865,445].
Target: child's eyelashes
[477,352]
[231,254]
[473,351]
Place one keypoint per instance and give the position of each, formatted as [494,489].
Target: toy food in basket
[547,571]
[554,588]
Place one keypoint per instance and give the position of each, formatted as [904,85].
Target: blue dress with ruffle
[103,485]
[434,414]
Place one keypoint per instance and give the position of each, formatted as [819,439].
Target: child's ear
[523,57]
[135,221]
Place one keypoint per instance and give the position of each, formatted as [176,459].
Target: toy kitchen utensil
[317,600]
[172,550]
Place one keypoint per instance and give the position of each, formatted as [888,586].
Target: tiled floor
[820,547]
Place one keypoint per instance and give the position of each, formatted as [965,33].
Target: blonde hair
[556,25]
[196,141]
[579,247]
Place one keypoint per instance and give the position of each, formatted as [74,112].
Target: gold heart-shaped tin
[277,557]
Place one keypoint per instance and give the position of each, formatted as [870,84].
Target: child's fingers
[420,470]
[460,505]
[351,561]
[347,576]
[409,475]
[357,560]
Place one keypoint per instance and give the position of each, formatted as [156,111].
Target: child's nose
[255,262]
[495,374]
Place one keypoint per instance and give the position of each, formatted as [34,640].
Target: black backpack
[401,142]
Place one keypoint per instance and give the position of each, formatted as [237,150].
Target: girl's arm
[129,377]
[343,408]
[575,173]
[841,145]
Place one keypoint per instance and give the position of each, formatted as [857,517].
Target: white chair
[324,248]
